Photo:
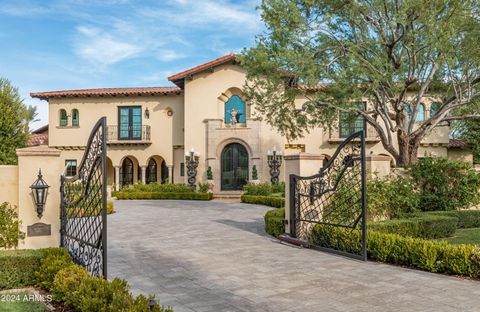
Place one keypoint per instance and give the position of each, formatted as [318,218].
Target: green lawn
[465,236]
[14,302]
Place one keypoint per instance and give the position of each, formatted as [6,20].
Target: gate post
[301,164]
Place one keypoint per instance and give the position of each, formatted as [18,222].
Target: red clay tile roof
[200,68]
[107,92]
[42,129]
[456,143]
[38,139]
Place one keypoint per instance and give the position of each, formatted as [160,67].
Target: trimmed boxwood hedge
[433,256]
[426,226]
[466,218]
[17,268]
[162,195]
[270,201]
[274,222]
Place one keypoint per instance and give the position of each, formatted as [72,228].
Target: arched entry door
[234,167]
[127,172]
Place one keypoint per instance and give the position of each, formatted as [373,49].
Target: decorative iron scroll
[83,206]
[328,209]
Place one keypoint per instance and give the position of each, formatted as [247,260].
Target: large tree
[13,124]
[391,53]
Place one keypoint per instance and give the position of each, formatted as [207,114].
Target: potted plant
[255,179]
[210,181]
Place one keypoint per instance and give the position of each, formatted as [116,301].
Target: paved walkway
[214,256]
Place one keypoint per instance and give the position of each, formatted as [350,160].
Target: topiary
[209,173]
[254,173]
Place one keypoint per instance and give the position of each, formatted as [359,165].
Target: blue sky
[78,44]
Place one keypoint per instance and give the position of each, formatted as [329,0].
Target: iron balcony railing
[341,134]
[129,134]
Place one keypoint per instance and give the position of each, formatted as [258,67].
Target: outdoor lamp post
[274,160]
[39,193]
[191,161]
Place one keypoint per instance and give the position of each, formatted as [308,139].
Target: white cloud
[22,8]
[102,48]
[169,55]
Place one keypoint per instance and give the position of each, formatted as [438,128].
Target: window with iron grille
[350,123]
[182,169]
[63,118]
[71,165]
[75,118]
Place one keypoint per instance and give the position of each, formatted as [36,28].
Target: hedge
[466,218]
[274,222]
[271,201]
[161,195]
[17,268]
[426,226]
[433,256]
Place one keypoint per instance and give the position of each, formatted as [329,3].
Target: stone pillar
[117,178]
[302,164]
[377,165]
[43,231]
[144,174]
[170,173]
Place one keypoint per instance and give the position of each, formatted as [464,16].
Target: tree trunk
[407,149]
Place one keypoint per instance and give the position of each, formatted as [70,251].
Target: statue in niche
[234,116]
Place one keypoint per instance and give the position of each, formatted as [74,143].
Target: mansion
[149,130]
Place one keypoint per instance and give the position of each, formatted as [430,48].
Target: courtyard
[216,256]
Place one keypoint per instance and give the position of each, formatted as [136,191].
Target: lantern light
[39,193]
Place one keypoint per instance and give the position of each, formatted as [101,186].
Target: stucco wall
[461,154]
[9,185]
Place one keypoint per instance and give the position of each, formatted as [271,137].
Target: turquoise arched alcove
[235,102]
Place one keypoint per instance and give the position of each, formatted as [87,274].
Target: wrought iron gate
[83,206]
[328,209]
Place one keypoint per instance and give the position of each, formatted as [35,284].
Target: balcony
[371,136]
[133,135]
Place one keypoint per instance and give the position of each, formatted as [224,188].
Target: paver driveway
[214,256]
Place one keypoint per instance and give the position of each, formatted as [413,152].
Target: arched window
[151,173]
[236,106]
[434,108]
[420,113]
[407,110]
[63,118]
[75,118]
[126,172]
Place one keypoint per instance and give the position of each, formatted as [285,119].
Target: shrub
[157,187]
[274,222]
[262,189]
[160,195]
[9,226]
[433,256]
[466,218]
[17,268]
[110,208]
[445,184]
[271,201]
[254,173]
[209,173]
[425,226]
[53,260]
[390,197]
[203,187]
[66,282]
[279,188]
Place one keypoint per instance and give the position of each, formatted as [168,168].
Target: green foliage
[433,256]
[272,201]
[203,187]
[22,305]
[466,218]
[53,260]
[79,290]
[263,189]
[13,125]
[161,195]
[9,226]
[254,173]
[17,268]
[110,207]
[391,196]
[426,226]
[470,133]
[445,184]
[465,236]
[274,222]
[157,187]
[357,43]
[209,173]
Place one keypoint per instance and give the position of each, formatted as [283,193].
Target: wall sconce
[274,160]
[191,161]
[169,113]
[147,113]
[39,193]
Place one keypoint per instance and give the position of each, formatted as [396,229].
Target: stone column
[117,178]
[302,164]
[377,165]
[144,174]
[170,173]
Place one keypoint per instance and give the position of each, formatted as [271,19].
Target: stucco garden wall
[9,185]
